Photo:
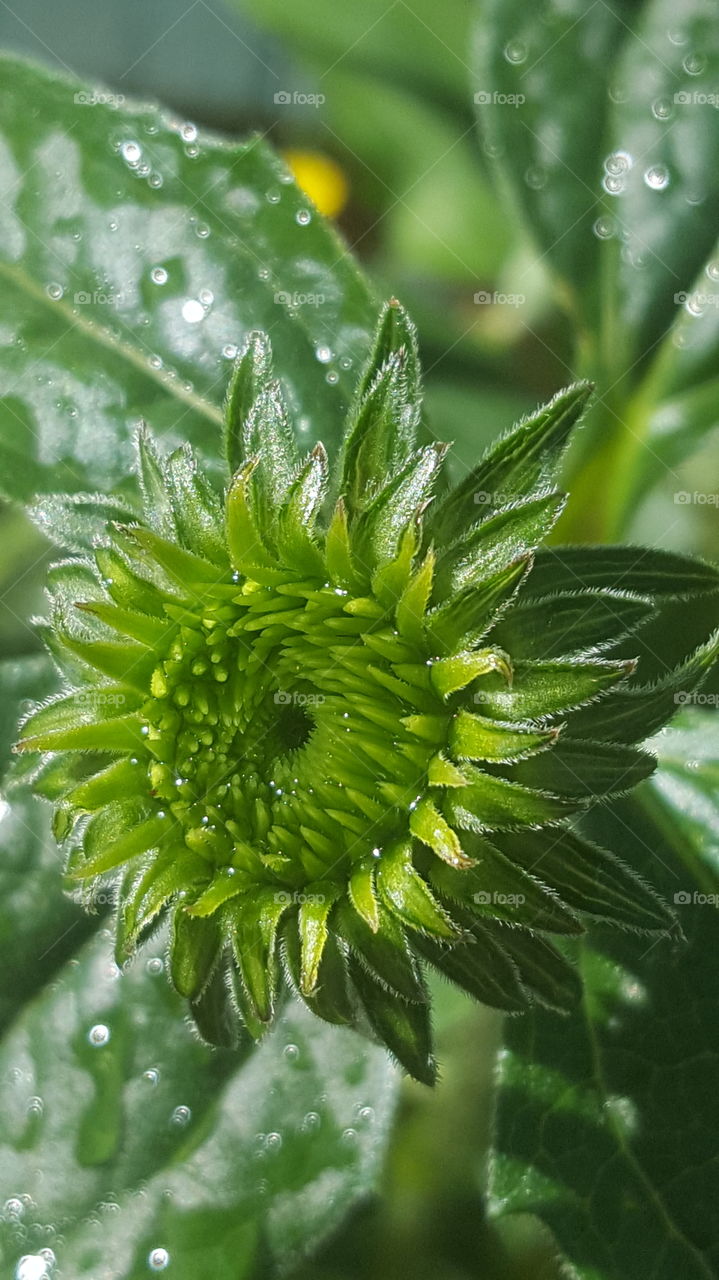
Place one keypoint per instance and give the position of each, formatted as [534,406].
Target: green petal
[543,970]
[589,879]
[478,965]
[384,953]
[466,617]
[496,543]
[407,895]
[524,460]
[585,769]
[542,689]
[429,826]
[476,738]
[251,372]
[194,948]
[312,927]
[404,1028]
[489,803]
[633,714]
[577,622]
[646,571]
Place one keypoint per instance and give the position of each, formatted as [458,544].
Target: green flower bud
[336,726]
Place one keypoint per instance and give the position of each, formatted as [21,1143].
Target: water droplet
[155,965]
[346,362]
[366,1114]
[712,270]
[291,1052]
[332,377]
[151,1076]
[157,1259]
[349,1137]
[273,1142]
[604,228]
[181,1117]
[662,108]
[32,1266]
[131,153]
[193,311]
[613,184]
[323,354]
[694,64]
[54,291]
[536,177]
[618,162]
[272,196]
[155,180]
[188,132]
[99,1034]
[515,51]
[202,230]
[303,216]
[14,1207]
[657,177]
[677,37]
[35,1106]
[311,1122]
[158,275]
[206,297]
[230,351]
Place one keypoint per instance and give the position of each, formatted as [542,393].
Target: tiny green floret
[331,723]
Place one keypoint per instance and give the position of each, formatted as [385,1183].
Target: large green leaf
[600,117]
[607,1121]
[150,1141]
[135,255]
[604,135]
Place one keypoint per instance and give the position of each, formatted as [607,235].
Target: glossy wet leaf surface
[135,255]
[607,1123]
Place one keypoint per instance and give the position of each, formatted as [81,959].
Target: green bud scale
[338,722]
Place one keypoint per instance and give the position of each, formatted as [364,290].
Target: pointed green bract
[335,726]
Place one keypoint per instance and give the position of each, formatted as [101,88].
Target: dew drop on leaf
[98,1035]
[193,311]
[515,52]
[657,177]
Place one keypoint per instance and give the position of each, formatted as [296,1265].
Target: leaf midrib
[102,336]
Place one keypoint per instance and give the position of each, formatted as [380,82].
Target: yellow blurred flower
[321,178]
